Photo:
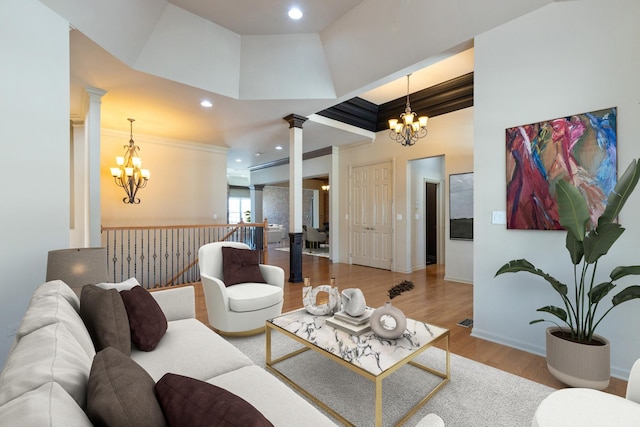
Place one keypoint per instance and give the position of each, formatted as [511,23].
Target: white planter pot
[579,365]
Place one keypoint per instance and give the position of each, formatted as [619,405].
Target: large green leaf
[556,311]
[623,189]
[598,242]
[575,248]
[518,265]
[572,209]
[622,271]
[632,292]
[598,292]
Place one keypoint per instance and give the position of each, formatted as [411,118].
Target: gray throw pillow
[105,317]
[121,393]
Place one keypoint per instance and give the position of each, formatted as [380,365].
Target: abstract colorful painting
[580,149]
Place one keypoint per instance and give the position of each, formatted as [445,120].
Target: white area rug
[322,251]
[476,396]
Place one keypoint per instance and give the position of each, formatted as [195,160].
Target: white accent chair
[241,309]
[585,407]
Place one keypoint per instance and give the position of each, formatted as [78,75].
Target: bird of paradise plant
[586,245]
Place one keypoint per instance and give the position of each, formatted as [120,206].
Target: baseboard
[458,279]
[616,372]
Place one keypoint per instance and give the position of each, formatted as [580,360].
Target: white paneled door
[371,221]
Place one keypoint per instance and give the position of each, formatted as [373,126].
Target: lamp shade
[78,266]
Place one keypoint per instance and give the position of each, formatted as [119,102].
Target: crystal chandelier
[406,131]
[128,174]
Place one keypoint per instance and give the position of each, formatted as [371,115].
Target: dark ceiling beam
[443,98]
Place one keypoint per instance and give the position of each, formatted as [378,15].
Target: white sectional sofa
[276,233]
[45,380]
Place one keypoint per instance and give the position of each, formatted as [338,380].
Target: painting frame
[461,206]
[578,148]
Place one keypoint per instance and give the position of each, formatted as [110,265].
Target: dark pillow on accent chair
[121,393]
[240,266]
[188,402]
[105,317]
[147,322]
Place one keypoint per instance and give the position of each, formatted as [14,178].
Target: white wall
[450,135]
[188,182]
[566,58]
[35,140]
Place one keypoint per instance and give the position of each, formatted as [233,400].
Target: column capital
[95,92]
[257,187]
[295,121]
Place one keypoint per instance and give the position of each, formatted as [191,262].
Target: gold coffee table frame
[377,379]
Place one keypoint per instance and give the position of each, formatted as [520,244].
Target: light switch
[498,217]
[399,217]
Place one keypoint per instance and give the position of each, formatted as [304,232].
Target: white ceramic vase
[388,322]
[353,302]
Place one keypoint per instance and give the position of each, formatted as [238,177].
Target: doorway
[431,223]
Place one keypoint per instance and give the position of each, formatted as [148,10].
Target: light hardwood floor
[433,300]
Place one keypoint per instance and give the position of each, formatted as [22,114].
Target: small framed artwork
[461,206]
[580,149]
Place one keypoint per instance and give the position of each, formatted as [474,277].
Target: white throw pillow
[121,286]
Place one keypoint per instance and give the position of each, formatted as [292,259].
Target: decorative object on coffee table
[309,294]
[353,302]
[388,322]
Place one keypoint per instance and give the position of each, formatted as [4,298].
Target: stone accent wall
[275,205]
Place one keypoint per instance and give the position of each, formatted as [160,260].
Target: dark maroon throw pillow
[188,402]
[147,322]
[240,266]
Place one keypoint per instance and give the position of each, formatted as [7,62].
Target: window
[239,207]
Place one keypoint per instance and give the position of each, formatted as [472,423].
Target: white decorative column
[92,195]
[79,235]
[295,196]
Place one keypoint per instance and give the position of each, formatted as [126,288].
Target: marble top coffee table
[368,355]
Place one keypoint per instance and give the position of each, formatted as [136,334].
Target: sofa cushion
[48,354]
[147,322]
[260,392]
[47,405]
[121,393]
[253,296]
[188,402]
[191,349]
[240,266]
[106,319]
[55,302]
[58,287]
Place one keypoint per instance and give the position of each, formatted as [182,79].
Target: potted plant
[586,243]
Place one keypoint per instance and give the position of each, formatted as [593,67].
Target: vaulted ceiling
[158,59]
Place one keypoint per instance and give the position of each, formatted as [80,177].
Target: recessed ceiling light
[278,147]
[258,154]
[206,103]
[238,160]
[295,13]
